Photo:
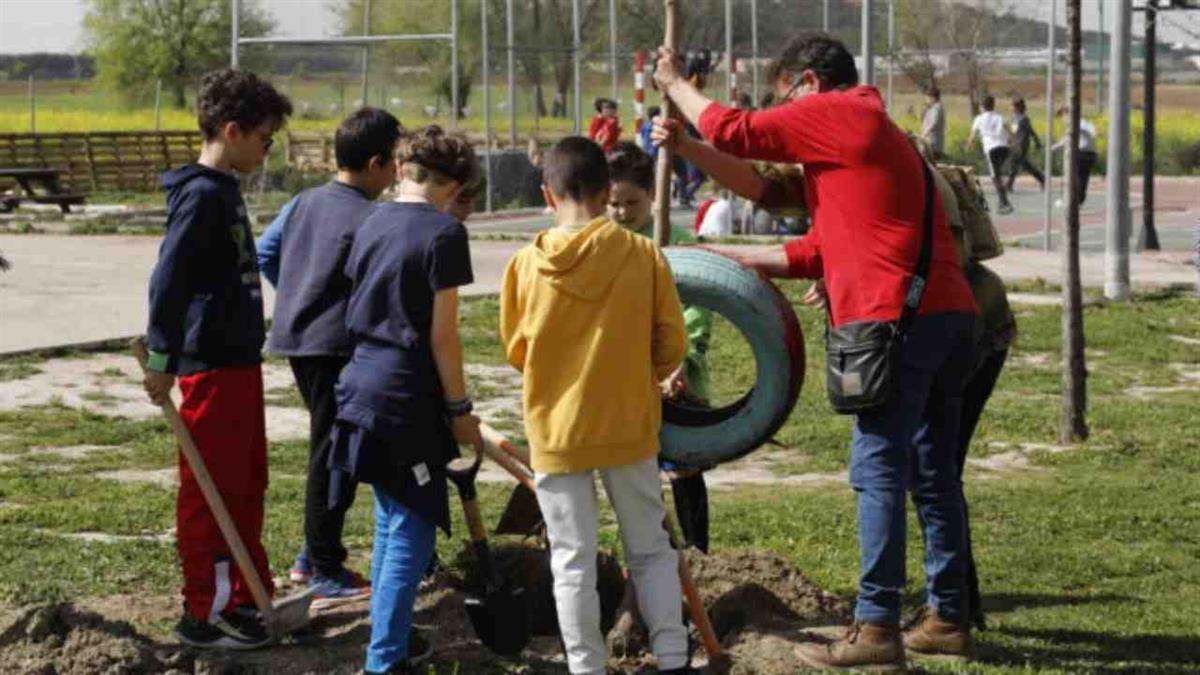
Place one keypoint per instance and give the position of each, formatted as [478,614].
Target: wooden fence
[90,162]
[133,160]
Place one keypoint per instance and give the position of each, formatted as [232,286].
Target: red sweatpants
[223,409]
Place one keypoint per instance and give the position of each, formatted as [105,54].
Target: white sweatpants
[569,506]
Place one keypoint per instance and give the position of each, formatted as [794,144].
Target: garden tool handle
[712,646]
[494,447]
[474,520]
[662,171]
[212,496]
[497,439]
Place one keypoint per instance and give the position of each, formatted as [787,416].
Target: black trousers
[1020,162]
[997,158]
[316,377]
[691,509]
[975,396]
[1087,161]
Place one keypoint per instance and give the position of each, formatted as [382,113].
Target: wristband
[459,407]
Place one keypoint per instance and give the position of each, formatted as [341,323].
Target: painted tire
[702,437]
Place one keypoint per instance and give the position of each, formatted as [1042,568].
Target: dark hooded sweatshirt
[206,309]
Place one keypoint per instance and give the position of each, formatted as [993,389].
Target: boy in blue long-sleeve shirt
[302,253]
[206,329]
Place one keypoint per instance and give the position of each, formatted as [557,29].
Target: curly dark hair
[627,162]
[432,154]
[821,53]
[238,96]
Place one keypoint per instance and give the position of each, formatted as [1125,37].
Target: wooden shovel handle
[501,451]
[212,497]
[662,173]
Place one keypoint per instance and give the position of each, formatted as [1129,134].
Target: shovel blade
[522,514]
[500,620]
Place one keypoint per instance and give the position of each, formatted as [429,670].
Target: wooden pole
[662,175]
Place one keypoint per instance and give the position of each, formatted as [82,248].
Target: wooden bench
[38,185]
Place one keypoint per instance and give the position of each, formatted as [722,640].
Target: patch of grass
[286,397]
[18,369]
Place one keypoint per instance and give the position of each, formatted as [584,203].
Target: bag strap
[916,288]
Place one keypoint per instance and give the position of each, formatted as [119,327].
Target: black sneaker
[231,631]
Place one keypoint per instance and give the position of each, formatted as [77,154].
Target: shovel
[497,610]
[280,617]
[516,463]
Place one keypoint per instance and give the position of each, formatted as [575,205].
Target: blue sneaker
[346,586]
[302,569]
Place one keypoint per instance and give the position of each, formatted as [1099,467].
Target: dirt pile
[61,639]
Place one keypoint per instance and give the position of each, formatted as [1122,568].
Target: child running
[302,254]
[402,400]
[589,313]
[206,328]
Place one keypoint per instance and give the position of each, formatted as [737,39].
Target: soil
[760,604]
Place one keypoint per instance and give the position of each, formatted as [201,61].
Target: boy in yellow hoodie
[589,313]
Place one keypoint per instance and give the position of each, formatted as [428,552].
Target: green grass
[1087,564]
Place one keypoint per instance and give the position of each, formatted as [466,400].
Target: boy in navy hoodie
[302,254]
[206,329]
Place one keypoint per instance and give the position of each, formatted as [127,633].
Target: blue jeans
[912,444]
[404,544]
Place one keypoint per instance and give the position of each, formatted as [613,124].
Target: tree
[1073,423]
[136,42]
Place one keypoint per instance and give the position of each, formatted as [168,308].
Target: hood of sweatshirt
[176,179]
[585,262]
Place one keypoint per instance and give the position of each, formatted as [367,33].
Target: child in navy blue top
[303,253]
[206,328]
[402,401]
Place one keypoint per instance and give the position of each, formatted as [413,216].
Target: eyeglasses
[788,96]
[268,142]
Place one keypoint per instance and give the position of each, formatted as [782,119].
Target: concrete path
[66,290]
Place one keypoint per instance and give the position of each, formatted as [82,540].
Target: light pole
[868,52]
[509,33]
[1048,212]
[1116,250]
[576,62]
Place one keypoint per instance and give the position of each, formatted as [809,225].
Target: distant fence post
[158,105]
[32,107]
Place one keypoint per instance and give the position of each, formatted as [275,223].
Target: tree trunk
[535,62]
[1073,422]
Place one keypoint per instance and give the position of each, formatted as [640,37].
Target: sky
[56,25]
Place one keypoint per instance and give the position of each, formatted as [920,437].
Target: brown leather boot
[864,646]
[930,634]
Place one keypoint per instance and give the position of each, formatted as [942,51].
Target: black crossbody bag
[861,358]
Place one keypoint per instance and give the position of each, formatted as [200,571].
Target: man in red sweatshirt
[865,188]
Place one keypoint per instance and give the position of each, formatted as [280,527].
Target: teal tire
[703,437]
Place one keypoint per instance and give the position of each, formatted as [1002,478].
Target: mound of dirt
[61,639]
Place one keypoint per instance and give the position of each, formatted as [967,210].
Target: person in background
[605,129]
[933,122]
[989,128]
[647,145]
[1022,133]
[1085,158]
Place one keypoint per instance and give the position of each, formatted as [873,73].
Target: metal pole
[612,49]
[825,16]
[1048,210]
[754,49]
[576,63]
[868,51]
[1116,250]
[454,108]
[510,34]
[487,108]
[729,63]
[32,107]
[1100,57]
[158,105]
[1148,238]
[235,30]
[891,48]
[366,52]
